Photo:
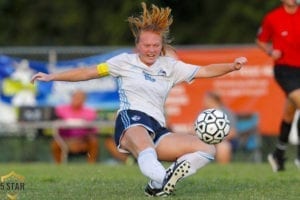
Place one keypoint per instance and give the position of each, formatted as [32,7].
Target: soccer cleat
[150,191]
[297,163]
[173,174]
[276,163]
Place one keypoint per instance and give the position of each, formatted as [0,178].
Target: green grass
[240,181]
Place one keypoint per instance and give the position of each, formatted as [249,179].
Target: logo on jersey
[162,73]
[135,118]
[148,77]
[284,33]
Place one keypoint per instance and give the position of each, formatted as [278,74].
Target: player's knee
[205,148]
[211,150]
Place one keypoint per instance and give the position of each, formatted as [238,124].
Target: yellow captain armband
[102,69]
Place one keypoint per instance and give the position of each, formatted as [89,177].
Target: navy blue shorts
[129,118]
[287,77]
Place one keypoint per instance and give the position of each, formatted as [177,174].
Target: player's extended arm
[73,75]
[214,70]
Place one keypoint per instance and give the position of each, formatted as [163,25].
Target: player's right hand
[276,54]
[41,77]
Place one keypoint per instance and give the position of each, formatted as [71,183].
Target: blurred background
[94,23]
[51,36]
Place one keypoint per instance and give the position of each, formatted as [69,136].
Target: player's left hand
[239,62]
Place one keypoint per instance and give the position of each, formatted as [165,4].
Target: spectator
[224,149]
[82,140]
[279,37]
[78,140]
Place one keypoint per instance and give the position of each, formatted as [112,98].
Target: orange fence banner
[249,90]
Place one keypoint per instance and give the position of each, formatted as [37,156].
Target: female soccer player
[145,79]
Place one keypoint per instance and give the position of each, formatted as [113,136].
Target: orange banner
[250,90]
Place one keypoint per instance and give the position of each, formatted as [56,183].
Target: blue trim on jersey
[123,98]
[193,74]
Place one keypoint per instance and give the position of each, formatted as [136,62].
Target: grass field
[240,181]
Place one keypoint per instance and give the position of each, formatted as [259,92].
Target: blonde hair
[157,20]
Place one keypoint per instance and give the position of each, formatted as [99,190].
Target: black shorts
[130,118]
[287,77]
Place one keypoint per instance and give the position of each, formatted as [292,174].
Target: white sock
[197,160]
[151,167]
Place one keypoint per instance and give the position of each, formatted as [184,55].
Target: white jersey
[145,88]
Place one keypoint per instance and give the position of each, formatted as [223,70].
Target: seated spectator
[225,148]
[81,140]
[78,140]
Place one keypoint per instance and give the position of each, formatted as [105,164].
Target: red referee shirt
[283,30]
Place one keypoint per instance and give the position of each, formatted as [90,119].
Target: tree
[92,22]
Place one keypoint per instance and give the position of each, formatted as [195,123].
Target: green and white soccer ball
[212,126]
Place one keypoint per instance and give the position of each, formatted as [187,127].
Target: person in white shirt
[145,79]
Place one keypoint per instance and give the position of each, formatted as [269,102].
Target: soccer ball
[212,126]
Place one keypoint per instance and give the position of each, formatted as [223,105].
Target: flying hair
[155,19]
